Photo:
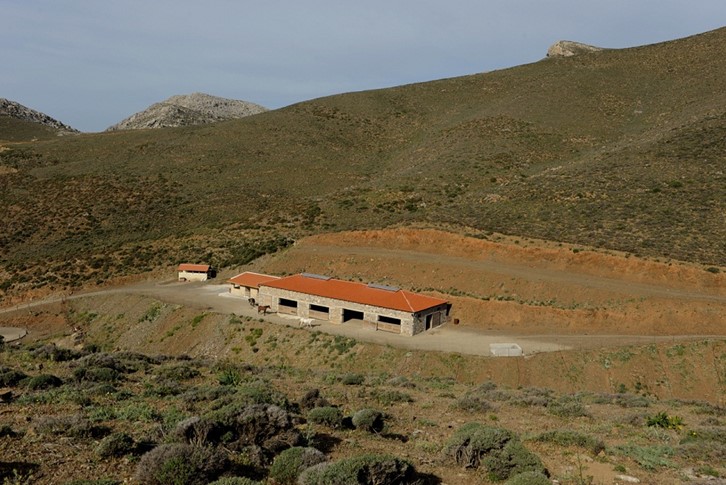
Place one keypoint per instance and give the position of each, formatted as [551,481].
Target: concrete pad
[10,334]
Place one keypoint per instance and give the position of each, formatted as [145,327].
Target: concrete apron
[11,334]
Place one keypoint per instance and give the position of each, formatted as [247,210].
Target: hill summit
[188,109]
[568,48]
[17,111]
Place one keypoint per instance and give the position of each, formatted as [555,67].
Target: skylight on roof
[383,287]
[316,276]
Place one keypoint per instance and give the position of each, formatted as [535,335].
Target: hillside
[617,149]
[20,123]
[186,110]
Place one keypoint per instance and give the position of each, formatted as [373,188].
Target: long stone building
[323,298]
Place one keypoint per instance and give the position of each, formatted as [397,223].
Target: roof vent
[383,287]
[316,276]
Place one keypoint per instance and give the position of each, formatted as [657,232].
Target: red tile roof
[194,267]
[393,298]
[252,280]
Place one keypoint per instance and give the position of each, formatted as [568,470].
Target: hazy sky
[91,63]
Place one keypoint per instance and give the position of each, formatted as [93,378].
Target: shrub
[42,381]
[369,420]
[472,441]
[289,464]
[473,404]
[163,387]
[512,460]
[96,374]
[568,407]
[566,437]
[352,379]
[648,457]
[313,399]
[179,372]
[73,426]
[400,381]
[101,481]
[10,377]
[116,444]
[328,416]
[180,464]
[54,353]
[363,470]
[663,420]
[386,397]
[529,478]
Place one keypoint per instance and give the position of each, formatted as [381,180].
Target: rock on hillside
[189,109]
[18,111]
[567,48]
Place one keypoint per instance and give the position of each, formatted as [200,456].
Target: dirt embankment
[525,286]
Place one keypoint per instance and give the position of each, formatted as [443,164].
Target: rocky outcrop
[568,48]
[18,111]
[190,109]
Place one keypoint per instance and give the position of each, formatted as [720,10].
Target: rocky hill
[568,48]
[17,111]
[186,110]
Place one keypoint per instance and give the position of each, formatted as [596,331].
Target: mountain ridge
[15,110]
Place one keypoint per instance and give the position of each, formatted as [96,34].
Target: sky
[92,63]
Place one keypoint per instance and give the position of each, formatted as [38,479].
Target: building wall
[243,291]
[192,276]
[411,324]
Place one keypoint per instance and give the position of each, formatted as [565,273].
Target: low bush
[649,457]
[370,420]
[180,463]
[497,450]
[312,399]
[327,416]
[352,379]
[115,445]
[663,420]
[400,381]
[178,372]
[235,481]
[289,464]
[386,397]
[42,381]
[10,377]
[73,426]
[362,470]
[96,374]
[568,407]
[54,353]
[473,404]
[566,437]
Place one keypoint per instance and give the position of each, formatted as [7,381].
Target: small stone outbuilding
[195,272]
[387,308]
[247,284]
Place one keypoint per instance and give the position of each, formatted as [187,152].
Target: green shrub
[54,353]
[328,416]
[289,464]
[512,460]
[179,372]
[10,377]
[101,481]
[568,407]
[472,441]
[42,381]
[400,381]
[566,437]
[370,420]
[663,420]
[649,457]
[529,478]
[180,464]
[73,426]
[362,470]
[386,397]
[352,379]
[96,374]
[473,404]
[115,445]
